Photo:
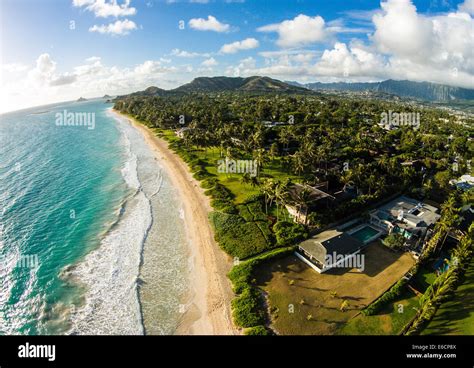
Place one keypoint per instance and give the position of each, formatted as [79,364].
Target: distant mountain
[417,90]
[214,84]
[250,84]
[296,84]
[81,99]
[150,91]
[222,84]
[106,96]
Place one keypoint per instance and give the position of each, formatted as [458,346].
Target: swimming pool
[365,234]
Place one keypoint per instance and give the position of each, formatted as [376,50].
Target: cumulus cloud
[93,59]
[467,7]
[42,83]
[349,62]
[404,44]
[63,80]
[426,46]
[209,24]
[244,67]
[44,70]
[152,67]
[119,27]
[209,62]
[302,30]
[104,9]
[187,54]
[247,44]
[400,30]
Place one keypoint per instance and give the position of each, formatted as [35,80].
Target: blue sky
[119,46]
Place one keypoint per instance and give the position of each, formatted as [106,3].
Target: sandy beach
[208,311]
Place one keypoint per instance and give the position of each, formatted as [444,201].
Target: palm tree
[372,181]
[259,157]
[298,160]
[268,190]
[245,179]
[302,199]
[284,137]
[344,305]
[281,193]
[449,218]
[254,181]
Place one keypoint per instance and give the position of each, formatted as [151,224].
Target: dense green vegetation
[319,139]
[436,289]
[394,241]
[326,133]
[444,286]
[238,237]
[456,316]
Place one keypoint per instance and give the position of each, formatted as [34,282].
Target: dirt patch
[307,302]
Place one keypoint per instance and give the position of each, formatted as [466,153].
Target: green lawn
[392,318]
[389,321]
[424,278]
[274,169]
[456,317]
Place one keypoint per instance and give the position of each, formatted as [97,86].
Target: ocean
[92,237]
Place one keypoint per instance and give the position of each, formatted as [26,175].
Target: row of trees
[331,139]
[445,284]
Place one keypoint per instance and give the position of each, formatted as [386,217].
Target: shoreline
[208,311]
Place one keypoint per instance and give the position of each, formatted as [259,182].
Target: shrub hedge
[288,233]
[247,307]
[236,236]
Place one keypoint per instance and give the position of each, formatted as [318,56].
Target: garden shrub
[246,308]
[389,296]
[257,331]
[209,183]
[288,233]
[236,236]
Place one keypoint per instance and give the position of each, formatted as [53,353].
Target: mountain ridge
[404,88]
[256,84]
[425,91]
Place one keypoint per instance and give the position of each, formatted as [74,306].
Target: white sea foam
[110,272]
[112,304]
[26,305]
[129,171]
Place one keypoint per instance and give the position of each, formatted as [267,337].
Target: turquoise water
[61,188]
[92,237]
[364,234]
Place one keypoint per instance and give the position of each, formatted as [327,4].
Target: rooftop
[329,242]
[409,211]
[312,194]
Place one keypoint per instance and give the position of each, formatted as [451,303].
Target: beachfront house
[405,216]
[329,249]
[301,198]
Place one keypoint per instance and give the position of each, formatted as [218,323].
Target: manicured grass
[302,301]
[456,316]
[273,168]
[424,278]
[389,321]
